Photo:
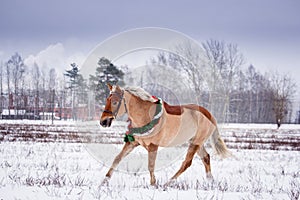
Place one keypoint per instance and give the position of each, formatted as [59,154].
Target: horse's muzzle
[106,122]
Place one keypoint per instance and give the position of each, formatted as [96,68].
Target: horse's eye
[114,103]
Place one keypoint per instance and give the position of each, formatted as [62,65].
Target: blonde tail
[218,145]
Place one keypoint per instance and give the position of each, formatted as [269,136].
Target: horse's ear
[118,88]
[109,86]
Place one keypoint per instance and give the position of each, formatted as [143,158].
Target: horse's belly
[178,130]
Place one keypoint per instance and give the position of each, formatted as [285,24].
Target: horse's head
[113,103]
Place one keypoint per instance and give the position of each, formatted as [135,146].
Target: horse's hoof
[105,181]
[169,183]
[153,182]
[153,186]
[209,176]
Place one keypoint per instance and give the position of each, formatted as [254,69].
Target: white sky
[267,32]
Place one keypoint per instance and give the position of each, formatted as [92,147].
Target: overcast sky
[266,31]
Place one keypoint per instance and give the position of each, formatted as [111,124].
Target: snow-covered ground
[67,171]
[37,122]
[64,170]
[225,125]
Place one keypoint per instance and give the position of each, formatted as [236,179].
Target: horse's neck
[140,112]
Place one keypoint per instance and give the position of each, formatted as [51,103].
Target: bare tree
[51,92]
[153,79]
[257,95]
[43,91]
[187,59]
[252,90]
[283,90]
[8,80]
[61,95]
[52,79]
[15,69]
[212,72]
[223,67]
[36,75]
[191,60]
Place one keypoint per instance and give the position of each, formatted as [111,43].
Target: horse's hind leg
[206,161]
[188,160]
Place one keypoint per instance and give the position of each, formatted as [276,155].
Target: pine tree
[78,86]
[72,74]
[106,72]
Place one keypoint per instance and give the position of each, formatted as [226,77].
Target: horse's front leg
[152,152]
[128,147]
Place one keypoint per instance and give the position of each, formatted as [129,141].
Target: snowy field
[64,170]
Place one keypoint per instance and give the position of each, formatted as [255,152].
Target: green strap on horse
[144,130]
[128,138]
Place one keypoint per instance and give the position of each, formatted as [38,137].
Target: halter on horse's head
[113,104]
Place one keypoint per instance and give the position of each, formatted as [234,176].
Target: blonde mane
[140,93]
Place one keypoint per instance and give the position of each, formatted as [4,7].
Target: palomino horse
[154,124]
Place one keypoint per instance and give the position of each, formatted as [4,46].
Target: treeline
[216,77]
[232,92]
[33,91]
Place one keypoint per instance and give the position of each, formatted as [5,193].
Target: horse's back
[179,109]
[202,110]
